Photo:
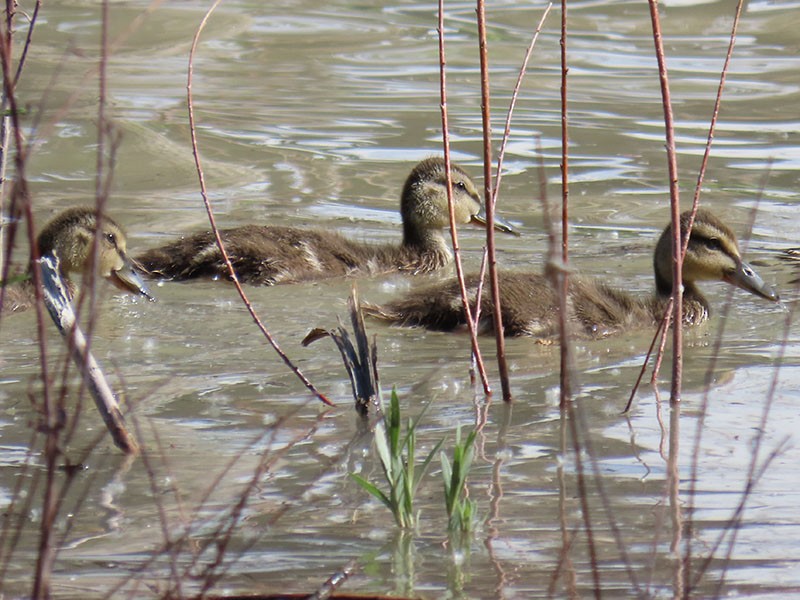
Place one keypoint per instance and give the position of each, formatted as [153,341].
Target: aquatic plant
[397,454]
[460,509]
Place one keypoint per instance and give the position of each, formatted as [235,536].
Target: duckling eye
[461,185]
[111,239]
[713,244]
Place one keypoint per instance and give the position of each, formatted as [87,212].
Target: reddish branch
[674,195]
[473,334]
[494,285]
[213,223]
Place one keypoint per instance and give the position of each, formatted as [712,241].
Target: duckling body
[529,303]
[69,238]
[270,255]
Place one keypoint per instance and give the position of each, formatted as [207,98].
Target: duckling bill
[270,255]
[69,238]
[530,305]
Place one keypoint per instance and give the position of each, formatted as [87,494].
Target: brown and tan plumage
[69,237]
[530,305]
[270,255]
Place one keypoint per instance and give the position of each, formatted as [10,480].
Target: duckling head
[712,255]
[423,205]
[69,237]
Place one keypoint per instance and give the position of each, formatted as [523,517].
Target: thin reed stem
[715,113]
[674,194]
[473,333]
[203,191]
[662,323]
[561,277]
[513,103]
[489,198]
[50,421]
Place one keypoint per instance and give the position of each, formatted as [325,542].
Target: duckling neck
[429,245]
[695,305]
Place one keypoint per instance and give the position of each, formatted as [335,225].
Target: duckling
[68,237]
[270,255]
[530,305]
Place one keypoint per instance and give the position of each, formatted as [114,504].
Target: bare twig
[51,422]
[715,113]
[57,301]
[473,334]
[5,125]
[27,45]
[656,335]
[489,198]
[560,277]
[507,129]
[192,128]
[674,193]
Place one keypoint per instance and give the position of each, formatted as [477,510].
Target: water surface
[312,115]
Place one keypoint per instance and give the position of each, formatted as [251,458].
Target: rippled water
[312,115]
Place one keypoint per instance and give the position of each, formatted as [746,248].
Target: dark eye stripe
[713,243]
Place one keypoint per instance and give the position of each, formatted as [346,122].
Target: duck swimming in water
[270,255]
[530,305]
[68,237]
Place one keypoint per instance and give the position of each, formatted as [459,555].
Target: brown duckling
[68,237]
[270,255]
[530,305]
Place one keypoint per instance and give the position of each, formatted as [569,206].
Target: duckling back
[269,255]
[529,306]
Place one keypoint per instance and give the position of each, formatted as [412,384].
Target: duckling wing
[600,310]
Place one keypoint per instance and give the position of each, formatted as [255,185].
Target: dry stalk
[494,286]
[203,192]
[479,289]
[79,346]
[507,129]
[473,334]
[5,122]
[51,422]
[658,334]
[560,277]
[675,207]
[51,409]
[706,152]
[57,301]
[715,113]
[675,394]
